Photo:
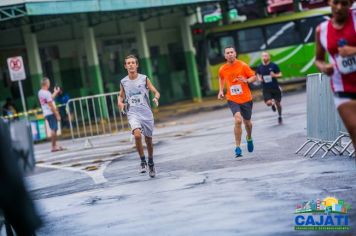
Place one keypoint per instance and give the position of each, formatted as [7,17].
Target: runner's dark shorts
[272,93]
[245,109]
[52,122]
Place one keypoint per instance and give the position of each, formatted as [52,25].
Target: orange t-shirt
[237,91]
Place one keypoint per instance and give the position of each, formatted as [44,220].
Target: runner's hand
[240,79]
[345,51]
[221,95]
[155,100]
[272,74]
[328,69]
[122,108]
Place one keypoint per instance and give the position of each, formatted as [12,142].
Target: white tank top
[137,96]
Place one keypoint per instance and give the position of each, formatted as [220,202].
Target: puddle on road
[101,200]
[56,163]
[75,165]
[98,161]
[182,134]
[328,172]
[91,168]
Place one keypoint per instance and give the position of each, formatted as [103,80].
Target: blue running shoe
[249,144]
[238,152]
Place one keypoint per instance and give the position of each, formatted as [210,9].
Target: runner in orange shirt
[237,75]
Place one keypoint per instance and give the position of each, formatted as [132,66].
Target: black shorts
[52,122]
[272,93]
[245,109]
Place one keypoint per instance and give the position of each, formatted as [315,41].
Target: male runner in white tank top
[134,89]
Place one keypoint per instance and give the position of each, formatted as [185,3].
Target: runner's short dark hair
[131,56]
[230,46]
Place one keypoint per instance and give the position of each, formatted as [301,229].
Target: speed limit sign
[16,68]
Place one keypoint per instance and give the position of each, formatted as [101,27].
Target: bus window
[283,34]
[226,41]
[214,49]
[307,27]
[250,40]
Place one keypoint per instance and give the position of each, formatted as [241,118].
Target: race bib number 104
[236,89]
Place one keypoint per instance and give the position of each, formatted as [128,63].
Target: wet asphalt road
[200,188]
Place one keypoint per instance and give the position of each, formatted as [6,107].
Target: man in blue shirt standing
[268,72]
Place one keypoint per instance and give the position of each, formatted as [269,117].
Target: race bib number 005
[236,89]
[346,65]
[136,100]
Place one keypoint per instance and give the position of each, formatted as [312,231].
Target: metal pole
[70,119]
[101,115]
[83,118]
[113,112]
[22,98]
[76,118]
[107,112]
[88,112]
[96,119]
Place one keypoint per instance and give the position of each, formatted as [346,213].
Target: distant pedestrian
[8,109]
[62,99]
[50,111]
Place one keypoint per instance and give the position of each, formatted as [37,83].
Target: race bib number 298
[136,100]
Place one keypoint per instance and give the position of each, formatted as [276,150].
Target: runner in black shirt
[268,72]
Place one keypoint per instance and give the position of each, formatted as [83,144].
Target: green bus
[288,38]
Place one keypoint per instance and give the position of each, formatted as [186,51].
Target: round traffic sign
[15,64]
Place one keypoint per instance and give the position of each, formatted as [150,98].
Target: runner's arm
[121,97]
[320,62]
[251,79]
[259,77]
[347,51]
[153,89]
[221,87]
[276,75]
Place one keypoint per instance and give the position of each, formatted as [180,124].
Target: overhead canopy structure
[10,9]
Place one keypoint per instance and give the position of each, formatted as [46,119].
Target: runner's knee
[148,139]
[137,134]
[269,103]
[247,122]
[238,120]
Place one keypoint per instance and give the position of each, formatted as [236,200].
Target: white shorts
[338,101]
[146,126]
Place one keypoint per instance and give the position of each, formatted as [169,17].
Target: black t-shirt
[264,71]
